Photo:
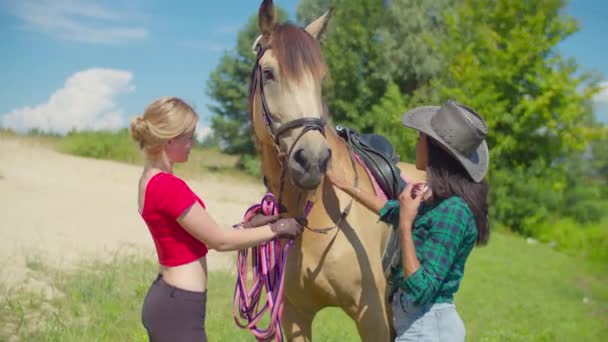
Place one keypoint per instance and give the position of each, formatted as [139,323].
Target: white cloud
[202,132]
[602,96]
[86,101]
[600,102]
[77,20]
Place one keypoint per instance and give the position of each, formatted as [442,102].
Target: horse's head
[285,96]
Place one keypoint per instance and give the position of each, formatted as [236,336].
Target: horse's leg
[372,317]
[373,325]
[297,323]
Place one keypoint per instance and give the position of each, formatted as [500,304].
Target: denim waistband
[410,308]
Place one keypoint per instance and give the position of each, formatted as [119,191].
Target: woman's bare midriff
[191,276]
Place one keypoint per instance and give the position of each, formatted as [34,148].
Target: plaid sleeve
[390,213]
[438,252]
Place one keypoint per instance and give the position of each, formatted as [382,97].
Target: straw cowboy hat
[459,129]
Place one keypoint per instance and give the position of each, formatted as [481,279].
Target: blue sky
[95,64]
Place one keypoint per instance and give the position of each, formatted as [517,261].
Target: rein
[268,262]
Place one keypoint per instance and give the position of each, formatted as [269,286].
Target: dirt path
[60,209]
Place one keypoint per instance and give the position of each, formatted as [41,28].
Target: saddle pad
[392,248]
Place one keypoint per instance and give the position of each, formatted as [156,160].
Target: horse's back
[410,173]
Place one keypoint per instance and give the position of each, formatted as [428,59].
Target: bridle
[307,124]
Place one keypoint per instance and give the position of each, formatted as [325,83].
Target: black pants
[172,314]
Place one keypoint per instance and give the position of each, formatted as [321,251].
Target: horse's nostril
[300,159]
[324,161]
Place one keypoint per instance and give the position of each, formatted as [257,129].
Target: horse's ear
[317,27]
[267,18]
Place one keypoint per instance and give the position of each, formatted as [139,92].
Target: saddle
[379,156]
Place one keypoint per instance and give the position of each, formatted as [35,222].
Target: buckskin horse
[336,262]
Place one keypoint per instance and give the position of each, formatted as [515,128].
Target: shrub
[587,240]
[101,145]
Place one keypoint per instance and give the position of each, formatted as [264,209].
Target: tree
[409,57]
[378,54]
[352,54]
[503,62]
[228,86]
[387,114]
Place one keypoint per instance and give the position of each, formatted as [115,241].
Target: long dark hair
[446,177]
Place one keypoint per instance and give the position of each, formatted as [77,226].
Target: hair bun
[139,130]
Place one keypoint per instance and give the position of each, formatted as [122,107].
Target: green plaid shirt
[444,235]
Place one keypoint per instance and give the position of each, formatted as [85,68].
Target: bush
[520,198]
[102,145]
[251,165]
[587,240]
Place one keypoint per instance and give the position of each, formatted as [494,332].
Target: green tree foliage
[504,63]
[353,56]
[387,114]
[228,86]
[599,155]
[409,57]
[378,53]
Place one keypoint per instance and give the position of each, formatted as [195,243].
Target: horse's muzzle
[307,167]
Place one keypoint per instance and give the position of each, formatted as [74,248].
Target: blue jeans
[430,322]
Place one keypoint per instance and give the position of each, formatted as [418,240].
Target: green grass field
[512,291]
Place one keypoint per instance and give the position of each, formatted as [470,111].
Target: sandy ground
[60,209]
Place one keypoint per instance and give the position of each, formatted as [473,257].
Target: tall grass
[118,146]
[101,145]
[102,302]
[512,291]
[33,137]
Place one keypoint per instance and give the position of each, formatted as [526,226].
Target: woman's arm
[370,201]
[411,264]
[422,281]
[201,225]
[408,210]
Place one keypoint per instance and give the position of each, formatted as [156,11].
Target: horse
[336,262]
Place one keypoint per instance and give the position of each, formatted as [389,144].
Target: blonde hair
[163,119]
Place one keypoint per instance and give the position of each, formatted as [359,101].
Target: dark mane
[297,52]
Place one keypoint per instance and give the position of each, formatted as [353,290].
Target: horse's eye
[268,75]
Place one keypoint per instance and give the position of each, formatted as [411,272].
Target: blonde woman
[181,227]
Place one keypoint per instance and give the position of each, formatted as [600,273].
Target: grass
[32,138]
[118,146]
[512,291]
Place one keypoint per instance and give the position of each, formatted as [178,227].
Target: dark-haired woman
[438,222]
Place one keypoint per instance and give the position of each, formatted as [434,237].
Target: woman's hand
[287,228]
[409,201]
[336,179]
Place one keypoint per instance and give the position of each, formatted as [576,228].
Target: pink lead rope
[267,274]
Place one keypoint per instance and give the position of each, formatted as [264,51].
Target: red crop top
[166,198]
